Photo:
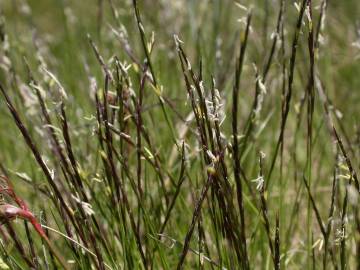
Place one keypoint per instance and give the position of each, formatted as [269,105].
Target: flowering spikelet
[9,212]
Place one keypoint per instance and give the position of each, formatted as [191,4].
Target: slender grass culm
[213,134]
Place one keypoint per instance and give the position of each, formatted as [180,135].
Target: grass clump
[179,135]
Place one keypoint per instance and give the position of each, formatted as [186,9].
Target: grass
[179,134]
